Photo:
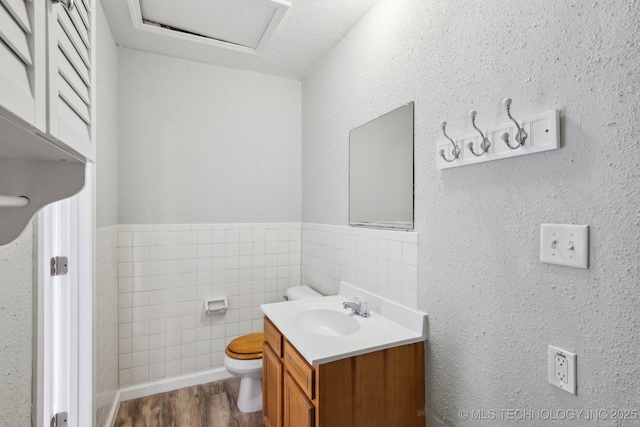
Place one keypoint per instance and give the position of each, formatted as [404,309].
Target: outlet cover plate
[562,365]
[565,244]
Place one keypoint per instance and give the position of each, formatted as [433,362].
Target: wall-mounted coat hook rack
[455,150]
[485,144]
[532,134]
[521,136]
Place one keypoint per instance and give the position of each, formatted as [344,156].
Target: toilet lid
[246,347]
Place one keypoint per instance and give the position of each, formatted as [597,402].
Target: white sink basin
[323,331]
[328,323]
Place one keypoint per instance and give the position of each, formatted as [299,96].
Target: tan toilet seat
[246,347]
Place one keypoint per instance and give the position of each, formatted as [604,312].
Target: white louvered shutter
[70,76]
[23,60]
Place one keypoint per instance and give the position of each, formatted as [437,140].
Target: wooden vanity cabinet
[380,389]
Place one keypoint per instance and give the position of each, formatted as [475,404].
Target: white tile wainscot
[381,261]
[167,271]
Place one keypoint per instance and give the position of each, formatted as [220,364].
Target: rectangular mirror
[381,171]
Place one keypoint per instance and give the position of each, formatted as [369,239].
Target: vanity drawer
[273,336]
[300,370]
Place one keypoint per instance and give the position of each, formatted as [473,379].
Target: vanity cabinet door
[298,410]
[272,370]
[23,59]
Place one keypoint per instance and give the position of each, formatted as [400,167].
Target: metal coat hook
[485,144]
[69,5]
[521,136]
[455,151]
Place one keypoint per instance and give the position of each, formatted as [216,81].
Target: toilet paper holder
[215,305]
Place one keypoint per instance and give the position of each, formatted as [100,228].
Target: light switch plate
[562,369]
[565,244]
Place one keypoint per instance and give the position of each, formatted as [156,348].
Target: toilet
[243,358]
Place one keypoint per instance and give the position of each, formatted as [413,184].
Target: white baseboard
[173,383]
[114,411]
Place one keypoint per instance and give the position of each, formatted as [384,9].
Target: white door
[67,342]
[61,310]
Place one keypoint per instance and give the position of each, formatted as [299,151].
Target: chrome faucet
[359,308]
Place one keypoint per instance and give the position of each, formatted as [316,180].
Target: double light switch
[565,244]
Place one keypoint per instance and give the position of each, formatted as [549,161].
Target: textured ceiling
[308,31]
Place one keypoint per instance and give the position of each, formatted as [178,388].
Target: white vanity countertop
[389,325]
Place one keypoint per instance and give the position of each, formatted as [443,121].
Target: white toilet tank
[300,292]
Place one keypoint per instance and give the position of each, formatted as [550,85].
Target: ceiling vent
[240,25]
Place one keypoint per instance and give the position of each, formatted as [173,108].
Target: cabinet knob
[68,4]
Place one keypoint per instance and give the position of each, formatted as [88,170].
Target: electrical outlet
[562,369]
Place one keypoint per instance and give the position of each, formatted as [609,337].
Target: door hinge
[61,419]
[59,265]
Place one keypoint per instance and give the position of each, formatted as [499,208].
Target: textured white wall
[107,321]
[106,196]
[16,299]
[106,124]
[493,306]
[204,144]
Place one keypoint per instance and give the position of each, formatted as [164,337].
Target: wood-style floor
[207,405]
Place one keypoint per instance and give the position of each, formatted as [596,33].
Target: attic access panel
[227,23]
